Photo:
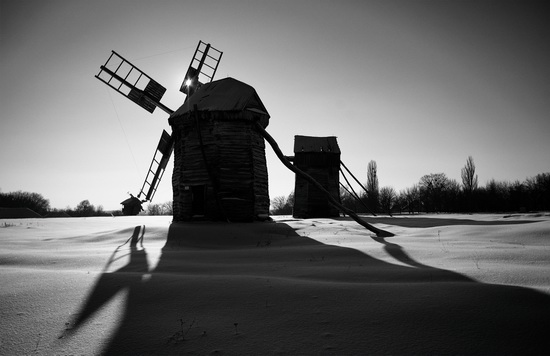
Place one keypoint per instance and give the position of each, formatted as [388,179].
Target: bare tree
[451,196]
[373,194]
[167,208]
[84,208]
[160,208]
[469,182]
[432,189]
[410,198]
[154,209]
[99,211]
[388,197]
[469,176]
[282,205]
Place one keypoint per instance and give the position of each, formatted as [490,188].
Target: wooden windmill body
[319,157]
[220,169]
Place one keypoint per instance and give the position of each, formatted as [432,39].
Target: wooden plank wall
[310,202]
[236,157]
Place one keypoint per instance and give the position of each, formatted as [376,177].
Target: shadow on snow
[263,288]
[427,222]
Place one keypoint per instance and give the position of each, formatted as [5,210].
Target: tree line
[435,193]
[37,203]
[34,201]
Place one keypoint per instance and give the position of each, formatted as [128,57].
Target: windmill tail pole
[356,180]
[332,200]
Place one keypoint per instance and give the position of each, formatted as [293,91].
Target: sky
[415,85]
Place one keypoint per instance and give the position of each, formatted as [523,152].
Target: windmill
[133,83]
[218,139]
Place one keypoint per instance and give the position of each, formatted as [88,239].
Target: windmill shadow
[426,222]
[229,295]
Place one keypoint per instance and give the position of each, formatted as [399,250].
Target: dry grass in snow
[444,284]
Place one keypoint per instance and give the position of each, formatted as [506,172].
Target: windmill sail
[157,167]
[133,83]
[204,65]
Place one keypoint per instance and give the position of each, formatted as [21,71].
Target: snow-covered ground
[445,284]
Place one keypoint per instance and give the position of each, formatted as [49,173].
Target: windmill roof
[226,94]
[315,144]
[131,201]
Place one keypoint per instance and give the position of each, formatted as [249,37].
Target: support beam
[354,193]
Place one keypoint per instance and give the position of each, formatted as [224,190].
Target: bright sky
[417,86]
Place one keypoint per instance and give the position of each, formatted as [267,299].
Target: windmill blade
[204,63]
[132,82]
[158,165]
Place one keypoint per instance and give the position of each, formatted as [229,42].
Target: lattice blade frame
[160,159]
[130,81]
[204,63]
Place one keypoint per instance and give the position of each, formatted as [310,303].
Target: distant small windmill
[133,83]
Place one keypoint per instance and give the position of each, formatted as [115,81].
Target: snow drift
[140,285]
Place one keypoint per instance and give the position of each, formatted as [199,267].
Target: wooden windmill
[133,83]
[220,169]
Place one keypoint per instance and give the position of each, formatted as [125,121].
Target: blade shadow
[110,284]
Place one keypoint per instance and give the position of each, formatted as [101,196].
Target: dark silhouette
[372,191]
[318,157]
[132,206]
